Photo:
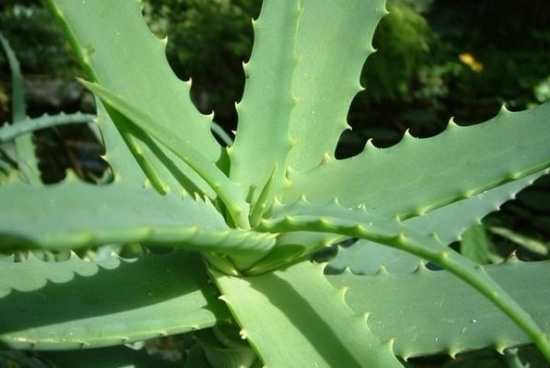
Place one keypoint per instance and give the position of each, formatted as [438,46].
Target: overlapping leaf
[444,315]
[80,304]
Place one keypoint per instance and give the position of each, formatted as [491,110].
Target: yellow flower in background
[471,61]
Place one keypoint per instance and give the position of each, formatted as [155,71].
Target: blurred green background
[435,59]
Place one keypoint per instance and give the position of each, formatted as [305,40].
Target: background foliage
[436,59]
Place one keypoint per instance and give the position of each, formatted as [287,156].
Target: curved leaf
[296,318]
[140,72]
[419,175]
[447,316]
[82,304]
[447,223]
[75,214]
[358,224]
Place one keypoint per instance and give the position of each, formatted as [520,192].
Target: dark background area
[435,59]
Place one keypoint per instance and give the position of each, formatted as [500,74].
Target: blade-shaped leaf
[230,192]
[447,223]
[296,318]
[79,304]
[75,214]
[447,316]
[24,146]
[140,72]
[418,175]
[325,81]
[298,100]
[264,112]
[358,224]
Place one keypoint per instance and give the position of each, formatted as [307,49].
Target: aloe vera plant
[243,221]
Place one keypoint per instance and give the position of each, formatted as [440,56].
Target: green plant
[250,217]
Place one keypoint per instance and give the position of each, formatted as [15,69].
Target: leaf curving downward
[359,224]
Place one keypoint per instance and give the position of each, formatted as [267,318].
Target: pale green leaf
[447,223]
[75,214]
[80,304]
[264,112]
[24,146]
[444,315]
[29,125]
[529,243]
[229,192]
[334,40]
[140,72]
[419,175]
[295,318]
[358,223]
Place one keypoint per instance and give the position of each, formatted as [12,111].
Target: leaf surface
[75,214]
[140,72]
[296,318]
[448,223]
[419,175]
[447,316]
[81,304]
[334,40]
[262,141]
[359,224]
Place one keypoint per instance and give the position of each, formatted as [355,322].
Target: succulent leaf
[96,28]
[448,223]
[296,318]
[420,175]
[446,316]
[28,125]
[75,214]
[229,192]
[326,82]
[264,112]
[358,224]
[82,304]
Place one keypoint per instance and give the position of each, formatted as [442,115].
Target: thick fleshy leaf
[325,81]
[75,214]
[296,318]
[358,223]
[447,223]
[80,304]
[446,315]
[140,72]
[264,112]
[229,192]
[29,125]
[419,175]
[297,95]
